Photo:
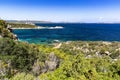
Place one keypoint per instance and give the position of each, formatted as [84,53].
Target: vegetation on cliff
[73,60]
[5,32]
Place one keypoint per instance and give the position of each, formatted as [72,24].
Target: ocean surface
[69,32]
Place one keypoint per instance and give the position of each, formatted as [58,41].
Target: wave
[40,27]
[56,27]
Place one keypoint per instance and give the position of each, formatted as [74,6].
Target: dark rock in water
[53,62]
[43,39]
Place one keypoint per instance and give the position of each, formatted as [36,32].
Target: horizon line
[58,21]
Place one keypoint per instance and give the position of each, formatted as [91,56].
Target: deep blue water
[71,32]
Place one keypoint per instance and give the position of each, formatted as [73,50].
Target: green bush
[2,23]
[22,55]
[23,76]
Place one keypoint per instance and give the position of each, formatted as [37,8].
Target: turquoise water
[70,32]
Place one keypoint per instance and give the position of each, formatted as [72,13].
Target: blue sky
[61,10]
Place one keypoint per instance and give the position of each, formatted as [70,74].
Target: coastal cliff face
[5,31]
[71,60]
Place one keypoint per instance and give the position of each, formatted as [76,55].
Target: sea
[61,32]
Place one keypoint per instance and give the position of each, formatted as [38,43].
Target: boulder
[0,36]
[52,63]
[36,69]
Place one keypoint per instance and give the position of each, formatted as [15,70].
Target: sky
[61,10]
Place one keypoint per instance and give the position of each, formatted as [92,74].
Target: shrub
[22,55]
[23,76]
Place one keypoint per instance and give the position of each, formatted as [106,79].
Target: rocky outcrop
[5,69]
[36,69]
[53,62]
[50,65]
[0,36]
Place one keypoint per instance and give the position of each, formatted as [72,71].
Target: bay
[70,32]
